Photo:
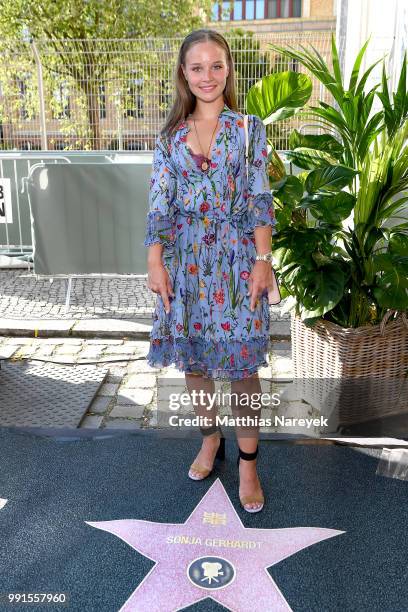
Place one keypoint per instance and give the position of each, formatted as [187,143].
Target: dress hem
[196,355]
[214,374]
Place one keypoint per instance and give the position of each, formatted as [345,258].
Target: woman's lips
[208,88]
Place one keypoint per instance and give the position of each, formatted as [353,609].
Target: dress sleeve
[260,209]
[160,223]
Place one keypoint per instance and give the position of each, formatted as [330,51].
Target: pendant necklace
[206,161]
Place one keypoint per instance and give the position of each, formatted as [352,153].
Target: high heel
[220,454]
[248,499]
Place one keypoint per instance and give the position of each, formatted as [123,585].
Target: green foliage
[249,61]
[279,96]
[76,41]
[91,19]
[342,241]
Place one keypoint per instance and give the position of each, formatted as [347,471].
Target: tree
[74,30]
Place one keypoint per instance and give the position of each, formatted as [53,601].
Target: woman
[208,224]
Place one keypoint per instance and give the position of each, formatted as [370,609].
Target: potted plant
[341,248]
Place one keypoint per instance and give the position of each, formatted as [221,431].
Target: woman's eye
[198,68]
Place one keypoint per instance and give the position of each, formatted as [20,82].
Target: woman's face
[206,70]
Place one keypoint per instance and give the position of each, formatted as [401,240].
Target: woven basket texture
[354,374]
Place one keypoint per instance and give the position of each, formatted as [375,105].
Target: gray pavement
[23,296]
[109,322]
[130,396]
[99,306]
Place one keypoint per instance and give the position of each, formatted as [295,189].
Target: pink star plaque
[210,555]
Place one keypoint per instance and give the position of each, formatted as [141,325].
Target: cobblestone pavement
[22,295]
[129,397]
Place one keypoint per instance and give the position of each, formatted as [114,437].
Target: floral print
[206,222]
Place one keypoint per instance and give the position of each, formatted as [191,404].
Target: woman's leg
[210,444]
[247,435]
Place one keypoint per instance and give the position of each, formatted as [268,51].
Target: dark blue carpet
[54,487]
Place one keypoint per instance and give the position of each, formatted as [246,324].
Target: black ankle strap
[248,456]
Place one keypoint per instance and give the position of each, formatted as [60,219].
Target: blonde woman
[206,226]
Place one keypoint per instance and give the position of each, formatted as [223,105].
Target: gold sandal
[203,471]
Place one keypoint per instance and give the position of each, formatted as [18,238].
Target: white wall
[387,23]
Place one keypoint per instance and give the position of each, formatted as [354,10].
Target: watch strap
[265,257]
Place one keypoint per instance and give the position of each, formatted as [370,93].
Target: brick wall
[321,8]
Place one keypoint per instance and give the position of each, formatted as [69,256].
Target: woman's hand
[261,278]
[158,280]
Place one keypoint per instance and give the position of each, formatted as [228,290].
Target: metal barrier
[15,225]
[15,230]
[86,220]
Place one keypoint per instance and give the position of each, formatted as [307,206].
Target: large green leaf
[333,209]
[308,159]
[392,286]
[325,291]
[323,142]
[329,179]
[290,190]
[399,243]
[278,96]
[275,166]
[356,68]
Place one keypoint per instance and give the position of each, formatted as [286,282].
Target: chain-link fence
[115,94]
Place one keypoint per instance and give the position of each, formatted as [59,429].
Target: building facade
[134,123]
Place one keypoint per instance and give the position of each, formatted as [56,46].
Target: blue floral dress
[206,221]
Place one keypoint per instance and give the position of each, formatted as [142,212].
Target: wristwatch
[266,257]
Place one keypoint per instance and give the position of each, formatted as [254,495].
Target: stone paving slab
[103,328]
[110,328]
[25,295]
[39,327]
[128,397]
[100,307]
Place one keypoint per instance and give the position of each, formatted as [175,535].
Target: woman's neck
[207,112]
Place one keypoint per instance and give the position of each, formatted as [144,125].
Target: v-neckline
[212,152]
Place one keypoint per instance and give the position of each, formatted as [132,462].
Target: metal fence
[115,94]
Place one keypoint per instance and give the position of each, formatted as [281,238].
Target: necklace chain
[205,163]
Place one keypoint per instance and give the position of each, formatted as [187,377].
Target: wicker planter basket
[352,375]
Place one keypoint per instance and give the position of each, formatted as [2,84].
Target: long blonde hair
[185,101]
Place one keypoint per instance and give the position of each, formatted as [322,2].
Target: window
[134,101]
[61,95]
[249,9]
[28,145]
[22,90]
[102,101]
[260,9]
[60,145]
[284,8]
[226,11]
[237,10]
[297,8]
[255,9]
[165,96]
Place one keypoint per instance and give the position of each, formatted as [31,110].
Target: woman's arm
[261,276]
[261,210]
[160,226]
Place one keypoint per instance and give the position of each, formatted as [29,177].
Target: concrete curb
[99,328]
